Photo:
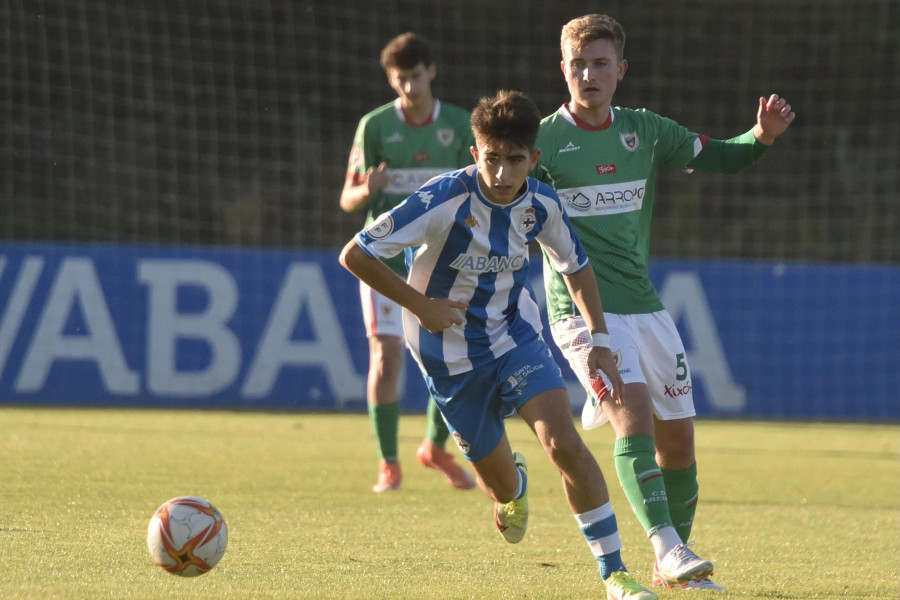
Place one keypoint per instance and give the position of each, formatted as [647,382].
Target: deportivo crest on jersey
[445,136]
[630,140]
[527,221]
[382,227]
[471,222]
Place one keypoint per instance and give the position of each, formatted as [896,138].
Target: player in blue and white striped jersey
[475,252]
[473,324]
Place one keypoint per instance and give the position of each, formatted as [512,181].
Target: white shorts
[647,349]
[381,315]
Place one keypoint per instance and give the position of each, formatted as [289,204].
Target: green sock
[437,428]
[641,478]
[682,489]
[385,421]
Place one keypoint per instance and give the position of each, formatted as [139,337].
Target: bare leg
[550,417]
[385,365]
[675,443]
[497,475]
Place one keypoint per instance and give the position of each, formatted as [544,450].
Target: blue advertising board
[94,325]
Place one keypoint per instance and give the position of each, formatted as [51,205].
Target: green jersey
[606,179]
[413,153]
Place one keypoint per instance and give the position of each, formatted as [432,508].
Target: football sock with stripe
[642,480]
[682,490]
[437,432]
[385,420]
[601,531]
[523,483]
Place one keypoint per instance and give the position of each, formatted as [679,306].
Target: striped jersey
[463,247]
[414,153]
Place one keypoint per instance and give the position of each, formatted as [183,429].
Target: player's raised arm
[585,293]
[772,119]
[435,314]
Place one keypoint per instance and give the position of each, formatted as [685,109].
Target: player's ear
[473,150]
[432,71]
[623,66]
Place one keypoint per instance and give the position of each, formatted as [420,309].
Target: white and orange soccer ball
[187,536]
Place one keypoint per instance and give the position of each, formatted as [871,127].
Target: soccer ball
[187,536]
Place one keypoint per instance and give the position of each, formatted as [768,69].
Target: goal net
[229,123]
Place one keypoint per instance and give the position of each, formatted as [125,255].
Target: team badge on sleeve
[355,164]
[381,228]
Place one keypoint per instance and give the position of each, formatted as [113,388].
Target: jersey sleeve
[676,145]
[557,237]
[362,152]
[541,170]
[411,223]
[729,156]
[391,233]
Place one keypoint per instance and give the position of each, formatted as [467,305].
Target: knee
[675,444]
[675,452]
[386,358]
[567,453]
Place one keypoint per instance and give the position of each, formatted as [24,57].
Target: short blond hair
[582,31]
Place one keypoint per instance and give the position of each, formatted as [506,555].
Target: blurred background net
[230,123]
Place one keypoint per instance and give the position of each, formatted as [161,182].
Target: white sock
[663,540]
[520,490]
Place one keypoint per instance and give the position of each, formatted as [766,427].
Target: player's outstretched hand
[602,359]
[438,314]
[772,119]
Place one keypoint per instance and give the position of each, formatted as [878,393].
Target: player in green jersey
[603,162]
[397,148]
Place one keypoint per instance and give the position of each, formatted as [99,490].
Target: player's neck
[594,117]
[419,113]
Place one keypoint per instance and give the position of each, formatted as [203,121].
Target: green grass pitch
[787,510]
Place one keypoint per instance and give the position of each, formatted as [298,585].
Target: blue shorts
[474,404]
